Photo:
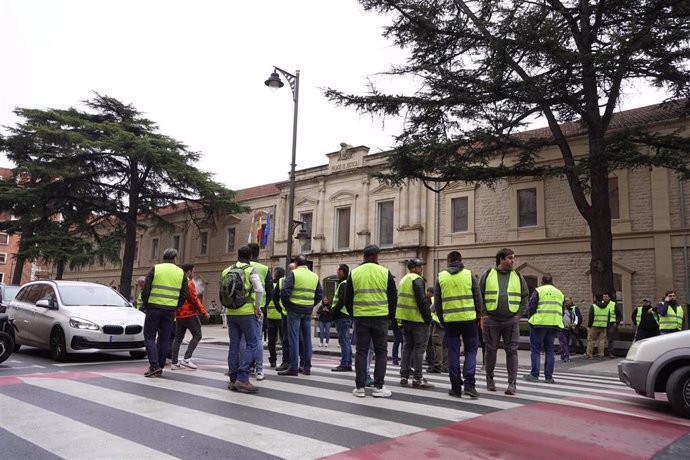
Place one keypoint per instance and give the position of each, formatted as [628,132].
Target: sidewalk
[216,334]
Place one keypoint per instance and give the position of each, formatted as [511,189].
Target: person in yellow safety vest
[343,321]
[267,283]
[273,320]
[437,351]
[285,352]
[242,324]
[458,306]
[141,282]
[301,291]
[671,315]
[371,298]
[413,310]
[505,294]
[646,318]
[612,333]
[545,310]
[165,289]
[599,320]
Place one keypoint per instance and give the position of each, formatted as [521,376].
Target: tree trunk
[128,256]
[59,269]
[18,269]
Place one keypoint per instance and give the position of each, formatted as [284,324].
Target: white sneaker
[259,376]
[175,367]
[382,392]
[359,392]
[188,363]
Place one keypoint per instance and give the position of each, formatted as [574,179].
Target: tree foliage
[489,69]
[79,172]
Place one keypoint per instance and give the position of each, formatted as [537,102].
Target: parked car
[76,317]
[7,293]
[660,364]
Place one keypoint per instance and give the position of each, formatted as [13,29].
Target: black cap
[371,250]
[412,263]
[646,298]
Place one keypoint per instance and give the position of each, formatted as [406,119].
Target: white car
[76,317]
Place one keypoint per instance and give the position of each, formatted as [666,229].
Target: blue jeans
[343,326]
[324,331]
[467,331]
[258,356]
[239,327]
[158,328]
[299,326]
[542,338]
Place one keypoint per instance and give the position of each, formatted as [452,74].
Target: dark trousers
[645,334]
[373,330]
[577,345]
[274,328]
[612,335]
[467,331]
[285,340]
[398,340]
[564,343]
[182,325]
[158,328]
[509,332]
[415,338]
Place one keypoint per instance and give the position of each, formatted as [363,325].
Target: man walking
[242,323]
[545,312]
[413,310]
[371,298]
[458,306]
[343,321]
[301,291]
[646,318]
[188,320]
[505,294]
[165,289]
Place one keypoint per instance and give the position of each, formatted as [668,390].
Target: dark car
[7,293]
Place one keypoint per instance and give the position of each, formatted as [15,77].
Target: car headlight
[79,323]
[633,351]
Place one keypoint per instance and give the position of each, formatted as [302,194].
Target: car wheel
[137,354]
[678,391]
[6,346]
[58,347]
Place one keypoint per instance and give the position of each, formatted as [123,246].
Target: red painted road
[536,431]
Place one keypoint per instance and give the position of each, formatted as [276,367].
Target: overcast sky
[198,70]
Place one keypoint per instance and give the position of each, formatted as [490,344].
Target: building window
[230,240]
[460,208]
[614,198]
[176,242]
[3,258]
[154,249]
[343,228]
[385,210]
[2,277]
[527,207]
[307,218]
[203,243]
[4,239]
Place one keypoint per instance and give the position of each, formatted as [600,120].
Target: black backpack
[233,293]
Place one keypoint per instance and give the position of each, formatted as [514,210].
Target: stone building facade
[9,245]
[344,209]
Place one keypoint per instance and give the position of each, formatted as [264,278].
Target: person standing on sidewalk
[577,346]
[458,306]
[187,319]
[646,319]
[325,317]
[284,336]
[545,312]
[300,293]
[273,318]
[242,324]
[371,298]
[505,294]
[343,321]
[413,310]
[612,333]
[600,318]
[670,314]
[564,334]
[165,289]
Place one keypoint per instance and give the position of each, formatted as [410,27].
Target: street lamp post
[275,83]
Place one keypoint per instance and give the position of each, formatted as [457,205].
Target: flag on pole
[266,230]
[259,228]
[251,230]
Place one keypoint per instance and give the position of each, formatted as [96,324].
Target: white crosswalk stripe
[290,417]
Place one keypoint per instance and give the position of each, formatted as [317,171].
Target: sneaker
[611,355]
[404,382]
[422,384]
[231,385]
[382,392]
[433,370]
[396,362]
[342,369]
[530,378]
[175,367]
[490,384]
[188,363]
[260,376]
[455,394]
[245,387]
[359,392]
[511,390]
[282,367]
[471,392]
[168,361]
[550,381]
[153,372]
[588,356]
[369,382]
[272,364]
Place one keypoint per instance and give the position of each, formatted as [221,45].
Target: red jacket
[191,306]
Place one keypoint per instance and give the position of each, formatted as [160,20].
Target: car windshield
[93,295]
[9,293]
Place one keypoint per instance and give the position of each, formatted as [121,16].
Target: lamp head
[274,82]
